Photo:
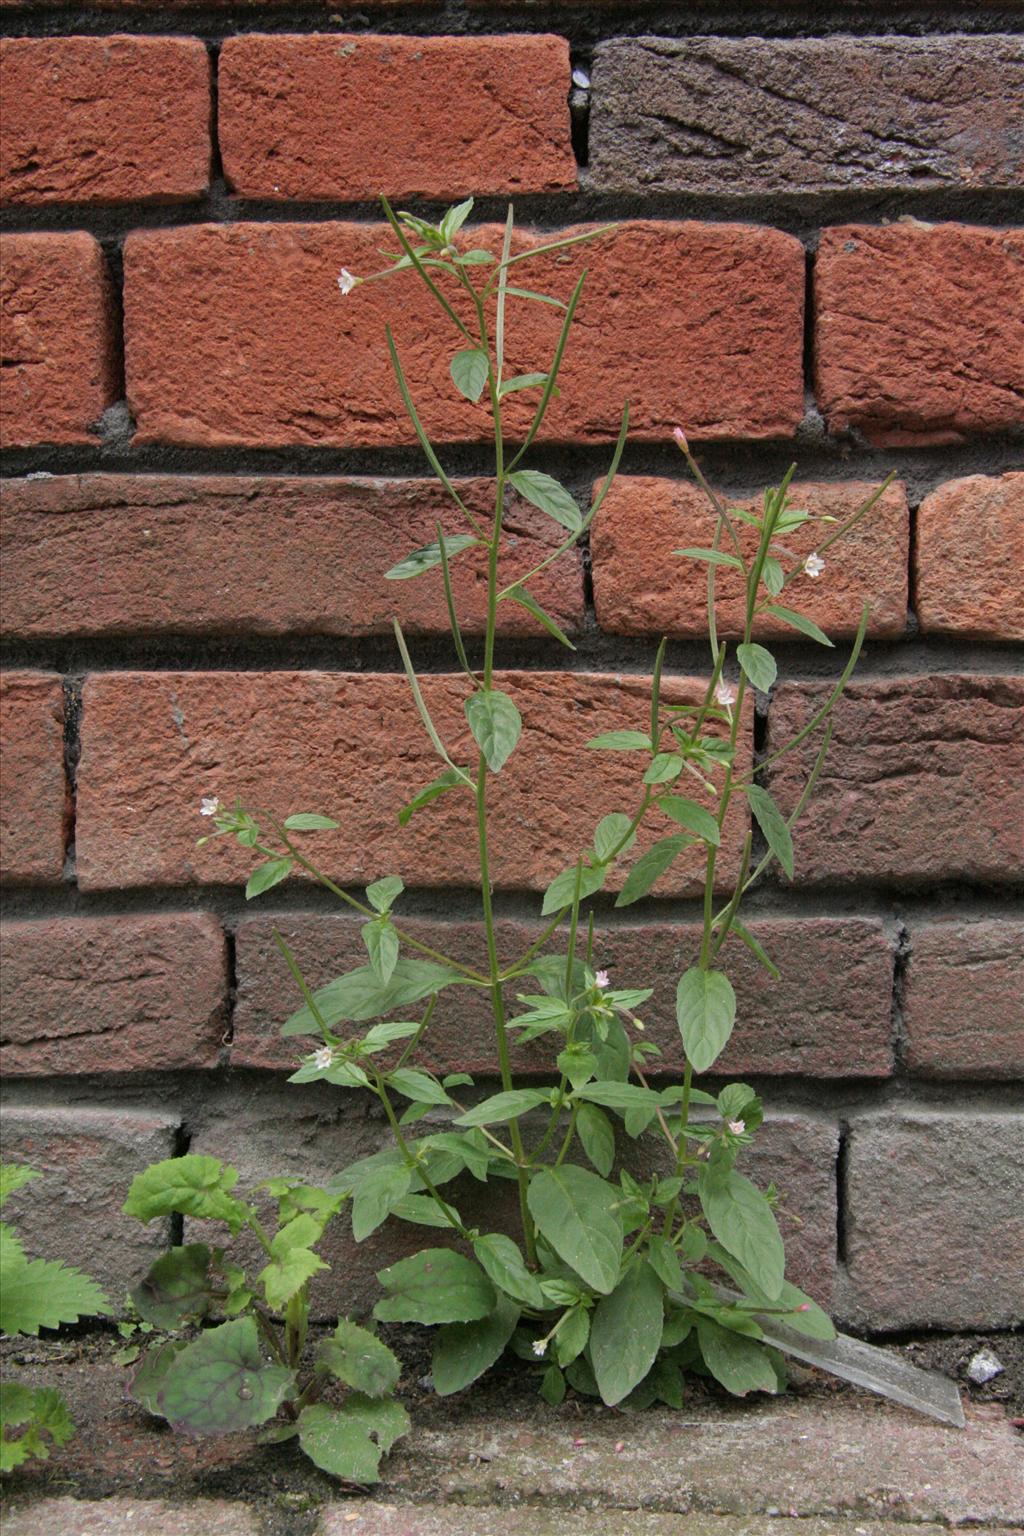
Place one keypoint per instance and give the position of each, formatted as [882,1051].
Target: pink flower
[737,1127]
[680,437]
[602,979]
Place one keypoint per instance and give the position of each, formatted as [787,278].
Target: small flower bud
[601,979]
[737,1127]
[680,437]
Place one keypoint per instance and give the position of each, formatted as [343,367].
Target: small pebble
[984,1366]
[620,1445]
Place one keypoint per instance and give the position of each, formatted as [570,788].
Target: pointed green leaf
[625,1334]
[362,995]
[797,621]
[665,766]
[620,741]
[381,943]
[773,824]
[376,1197]
[563,887]
[267,875]
[549,495]
[746,937]
[429,556]
[664,1260]
[695,818]
[463,1351]
[418,1086]
[649,868]
[349,1441]
[383,894]
[523,381]
[358,1358]
[573,1212]
[220,1383]
[501,1107]
[504,1263]
[527,600]
[741,1365]
[496,725]
[773,576]
[744,1223]
[613,836]
[597,1137]
[758,664]
[469,371]
[436,1285]
[451,778]
[711,557]
[706,1013]
[309,822]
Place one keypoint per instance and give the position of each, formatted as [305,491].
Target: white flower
[209,805]
[540,1347]
[323,1058]
[725,694]
[602,979]
[737,1127]
[347,280]
[814,565]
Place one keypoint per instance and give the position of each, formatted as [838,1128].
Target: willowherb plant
[616,1284]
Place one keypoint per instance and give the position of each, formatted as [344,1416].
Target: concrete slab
[369,1519]
[131,1517]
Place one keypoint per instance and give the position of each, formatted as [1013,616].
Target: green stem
[413,1163]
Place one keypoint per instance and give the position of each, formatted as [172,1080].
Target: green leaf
[14,1176]
[522,381]
[552,1386]
[711,556]
[177,1287]
[773,576]
[744,1223]
[649,868]
[503,1261]
[146,1383]
[501,1107]
[220,1383]
[664,1260]
[349,1441]
[469,371]
[376,1197]
[283,1278]
[266,875]
[758,664]
[545,492]
[741,1365]
[527,600]
[496,725]
[706,1013]
[563,887]
[383,894]
[665,766]
[422,1211]
[597,1137]
[309,822]
[621,1096]
[571,1339]
[358,1358]
[463,1351]
[429,556]
[475,259]
[449,779]
[418,1086]
[797,621]
[695,818]
[454,219]
[436,1285]
[42,1293]
[187,1186]
[382,946]
[609,833]
[620,741]
[539,298]
[625,1334]
[572,1209]
[37,1411]
[747,938]
[773,824]
[362,995]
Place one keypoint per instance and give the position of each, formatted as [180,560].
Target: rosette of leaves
[34,1294]
[243,1362]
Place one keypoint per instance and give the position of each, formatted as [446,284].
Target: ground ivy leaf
[496,725]
[463,1351]
[436,1285]
[572,1209]
[625,1334]
[358,1358]
[706,1012]
[221,1383]
[349,1441]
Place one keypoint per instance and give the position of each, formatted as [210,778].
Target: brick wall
[207,470]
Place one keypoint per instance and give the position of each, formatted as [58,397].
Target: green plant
[252,1369]
[617,1283]
[34,1294]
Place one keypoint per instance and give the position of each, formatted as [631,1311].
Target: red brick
[59,371]
[34,806]
[351,745]
[828,1015]
[969,565]
[935,1219]
[113,994]
[919,331]
[104,119]
[239,554]
[88,1156]
[963,1007]
[641,587]
[277,355]
[924,780]
[351,116]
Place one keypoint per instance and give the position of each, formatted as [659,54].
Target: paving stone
[372,1519]
[132,1517]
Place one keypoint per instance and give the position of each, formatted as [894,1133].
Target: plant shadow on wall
[615,1285]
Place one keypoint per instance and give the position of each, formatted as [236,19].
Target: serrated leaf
[177,1287]
[358,1358]
[758,664]
[572,1209]
[705,1013]
[284,1277]
[187,1186]
[649,868]
[309,822]
[695,818]
[496,725]
[798,621]
[265,876]
[463,1351]
[469,371]
[349,1441]
[429,556]
[221,1383]
[597,1138]
[37,1412]
[376,1197]
[42,1293]
[504,1263]
[546,493]
[501,1107]
[741,1365]
[625,1334]
[436,1285]
[620,741]
[14,1176]
[562,889]
[744,1223]
[773,824]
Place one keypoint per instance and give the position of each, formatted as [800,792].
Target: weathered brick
[238,554]
[641,587]
[924,780]
[969,559]
[919,331]
[59,371]
[113,994]
[104,119]
[752,116]
[277,355]
[153,743]
[828,1015]
[963,1007]
[935,1219]
[35,805]
[342,116]
[88,1157]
